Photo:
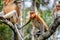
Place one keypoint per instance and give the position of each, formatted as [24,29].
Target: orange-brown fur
[57,8]
[56,11]
[10,6]
[37,18]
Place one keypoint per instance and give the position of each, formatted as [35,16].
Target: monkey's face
[58,7]
[32,14]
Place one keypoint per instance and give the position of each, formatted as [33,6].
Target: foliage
[5,31]
[47,16]
[1,4]
[38,1]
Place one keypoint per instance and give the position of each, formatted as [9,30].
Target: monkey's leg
[41,31]
[10,14]
[15,20]
[38,33]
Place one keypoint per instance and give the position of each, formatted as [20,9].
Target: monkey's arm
[10,14]
[25,24]
[17,8]
[42,21]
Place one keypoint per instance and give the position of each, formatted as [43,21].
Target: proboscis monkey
[56,10]
[37,21]
[11,11]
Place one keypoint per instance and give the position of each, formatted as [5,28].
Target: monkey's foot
[38,34]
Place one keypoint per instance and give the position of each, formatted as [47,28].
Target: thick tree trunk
[15,36]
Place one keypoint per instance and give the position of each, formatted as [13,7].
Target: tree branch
[5,21]
[51,30]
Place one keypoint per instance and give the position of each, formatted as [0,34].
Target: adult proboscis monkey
[56,10]
[11,11]
[38,22]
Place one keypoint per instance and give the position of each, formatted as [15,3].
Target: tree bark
[15,36]
[51,30]
[11,26]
